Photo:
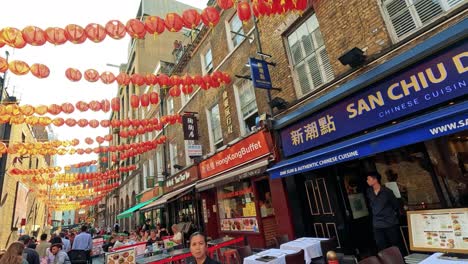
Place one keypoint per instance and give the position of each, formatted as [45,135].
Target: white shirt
[177,237]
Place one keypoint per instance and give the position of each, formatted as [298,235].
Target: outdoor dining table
[277,256]
[435,259]
[310,245]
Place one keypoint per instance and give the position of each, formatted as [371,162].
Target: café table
[310,245]
[434,259]
[278,254]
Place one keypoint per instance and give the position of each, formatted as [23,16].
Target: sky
[57,88]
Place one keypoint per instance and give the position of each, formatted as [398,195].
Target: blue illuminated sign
[437,79]
[260,74]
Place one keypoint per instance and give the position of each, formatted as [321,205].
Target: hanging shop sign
[190,127]
[227,113]
[248,149]
[181,179]
[194,150]
[435,80]
[260,74]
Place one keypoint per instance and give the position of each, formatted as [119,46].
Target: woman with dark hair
[199,249]
[14,254]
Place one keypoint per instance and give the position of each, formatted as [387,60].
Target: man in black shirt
[29,254]
[385,208]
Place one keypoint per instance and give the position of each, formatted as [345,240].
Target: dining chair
[296,258]
[371,260]
[329,245]
[279,240]
[391,255]
[244,252]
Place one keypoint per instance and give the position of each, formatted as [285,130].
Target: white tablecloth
[310,245]
[280,255]
[434,259]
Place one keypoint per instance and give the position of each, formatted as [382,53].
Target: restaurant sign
[435,80]
[248,149]
[181,179]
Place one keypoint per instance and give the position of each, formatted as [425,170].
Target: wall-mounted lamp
[354,57]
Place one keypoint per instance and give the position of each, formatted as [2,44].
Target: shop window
[408,172]
[406,16]
[237,207]
[264,198]
[235,32]
[160,164]
[170,105]
[207,62]
[174,156]
[247,105]
[215,127]
[186,209]
[308,56]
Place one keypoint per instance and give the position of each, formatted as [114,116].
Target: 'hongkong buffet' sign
[181,179]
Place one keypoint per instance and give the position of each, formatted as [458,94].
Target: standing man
[66,243]
[116,227]
[83,241]
[385,211]
[41,249]
[29,254]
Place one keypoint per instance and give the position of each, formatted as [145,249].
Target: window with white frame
[151,173]
[170,105]
[160,164]
[215,126]
[309,58]
[247,105]
[173,155]
[406,16]
[236,31]
[185,97]
[189,161]
[207,61]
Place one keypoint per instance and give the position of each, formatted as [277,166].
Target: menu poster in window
[245,224]
[97,246]
[127,256]
[439,230]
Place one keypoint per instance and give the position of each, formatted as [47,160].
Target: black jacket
[208,260]
[384,207]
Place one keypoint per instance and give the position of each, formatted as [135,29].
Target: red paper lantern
[151,79]
[154,98]
[13,37]
[70,122]
[27,110]
[91,75]
[108,137]
[67,108]
[107,77]
[75,34]
[123,79]
[115,123]
[18,67]
[105,123]
[155,25]
[198,80]
[55,35]
[115,29]
[93,123]
[164,80]
[82,106]
[134,101]
[95,106]
[135,28]
[225,4]
[95,32]
[300,5]
[115,104]
[243,11]
[3,65]
[123,133]
[89,141]
[73,75]
[40,109]
[226,79]
[174,22]
[135,122]
[40,70]
[187,80]
[58,121]
[174,91]
[132,133]
[54,109]
[105,105]
[191,18]
[176,80]
[126,122]
[187,89]
[210,16]
[144,99]
[82,122]
[104,159]
[34,36]
[88,150]
[138,79]
[141,130]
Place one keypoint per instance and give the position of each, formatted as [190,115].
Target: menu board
[126,256]
[97,246]
[443,230]
[245,224]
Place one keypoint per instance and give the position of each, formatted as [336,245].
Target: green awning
[129,212]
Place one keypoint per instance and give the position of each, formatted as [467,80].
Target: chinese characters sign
[227,112]
[190,126]
[433,81]
[250,148]
[260,74]
[181,179]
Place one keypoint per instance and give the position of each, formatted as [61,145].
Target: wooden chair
[391,255]
[281,240]
[371,260]
[244,252]
[296,258]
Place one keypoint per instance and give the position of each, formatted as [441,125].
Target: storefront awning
[251,169]
[129,212]
[436,124]
[166,198]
